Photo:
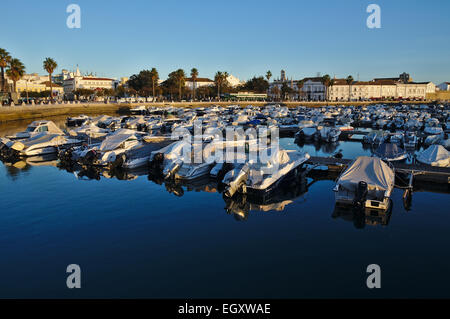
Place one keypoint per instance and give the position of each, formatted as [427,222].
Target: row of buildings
[309,89]
[68,81]
[314,89]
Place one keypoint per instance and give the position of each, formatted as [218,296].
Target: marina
[125,185]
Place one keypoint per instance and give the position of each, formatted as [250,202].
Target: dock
[420,172]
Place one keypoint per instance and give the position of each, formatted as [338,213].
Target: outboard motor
[338,154]
[361,194]
[89,158]
[157,161]
[238,183]
[172,169]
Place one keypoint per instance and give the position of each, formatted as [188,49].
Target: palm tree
[326,82]
[194,76]
[349,81]
[220,79]
[5,59]
[15,71]
[50,65]
[300,84]
[154,76]
[180,77]
[276,91]
[268,76]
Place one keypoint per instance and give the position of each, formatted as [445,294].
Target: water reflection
[241,205]
[362,217]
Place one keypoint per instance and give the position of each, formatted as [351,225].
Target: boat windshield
[31,128]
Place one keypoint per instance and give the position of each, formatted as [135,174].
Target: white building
[444,86]
[313,89]
[78,81]
[379,89]
[35,83]
[199,82]
[234,81]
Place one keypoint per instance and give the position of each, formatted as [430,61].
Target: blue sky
[245,38]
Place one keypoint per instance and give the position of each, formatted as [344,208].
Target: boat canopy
[435,155]
[42,138]
[51,127]
[113,141]
[372,170]
[389,151]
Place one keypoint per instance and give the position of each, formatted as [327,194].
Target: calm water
[136,238]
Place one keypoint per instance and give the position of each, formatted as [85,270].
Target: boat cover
[372,170]
[389,151]
[52,128]
[435,155]
[113,141]
[43,138]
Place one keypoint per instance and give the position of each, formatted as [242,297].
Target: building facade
[78,81]
[35,83]
[379,90]
[199,82]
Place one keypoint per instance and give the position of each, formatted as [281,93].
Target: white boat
[77,120]
[139,110]
[107,152]
[435,155]
[41,144]
[398,138]
[433,139]
[36,128]
[410,140]
[432,127]
[391,152]
[256,177]
[329,134]
[307,133]
[368,182]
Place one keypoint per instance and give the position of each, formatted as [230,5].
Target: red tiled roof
[199,80]
[97,79]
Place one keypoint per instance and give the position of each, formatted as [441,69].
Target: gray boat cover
[372,170]
[389,151]
[113,141]
[435,155]
[43,138]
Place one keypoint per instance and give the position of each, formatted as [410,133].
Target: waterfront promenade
[30,112]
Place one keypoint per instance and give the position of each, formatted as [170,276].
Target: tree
[194,76]
[326,82]
[257,85]
[275,91]
[141,81]
[155,77]
[176,78]
[50,65]
[268,75]
[15,71]
[5,59]
[286,90]
[220,79]
[300,84]
[349,81]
